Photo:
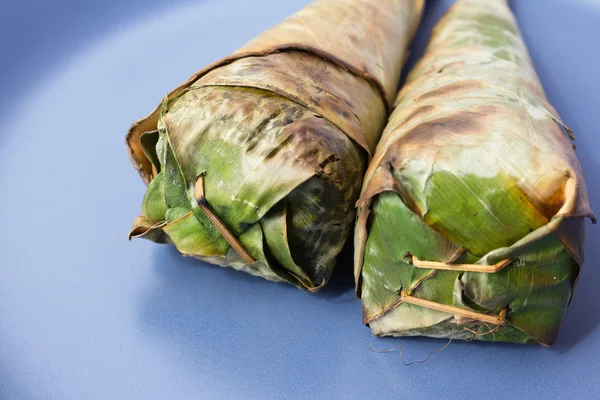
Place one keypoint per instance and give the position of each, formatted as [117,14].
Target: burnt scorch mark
[277,124]
[453,89]
[461,122]
[419,112]
[284,145]
[344,114]
[251,146]
[265,122]
[332,158]
[551,205]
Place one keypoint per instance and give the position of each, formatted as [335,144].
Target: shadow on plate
[341,284]
[223,323]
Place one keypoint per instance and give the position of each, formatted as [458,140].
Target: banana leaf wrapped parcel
[471,216]
[256,161]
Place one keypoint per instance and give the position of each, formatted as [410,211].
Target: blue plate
[84,314]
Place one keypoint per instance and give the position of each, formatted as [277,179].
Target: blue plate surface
[84,314]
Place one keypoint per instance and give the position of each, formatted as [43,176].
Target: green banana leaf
[474,168]
[280,177]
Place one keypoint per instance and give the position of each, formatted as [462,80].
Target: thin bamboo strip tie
[221,227]
[490,269]
[495,320]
